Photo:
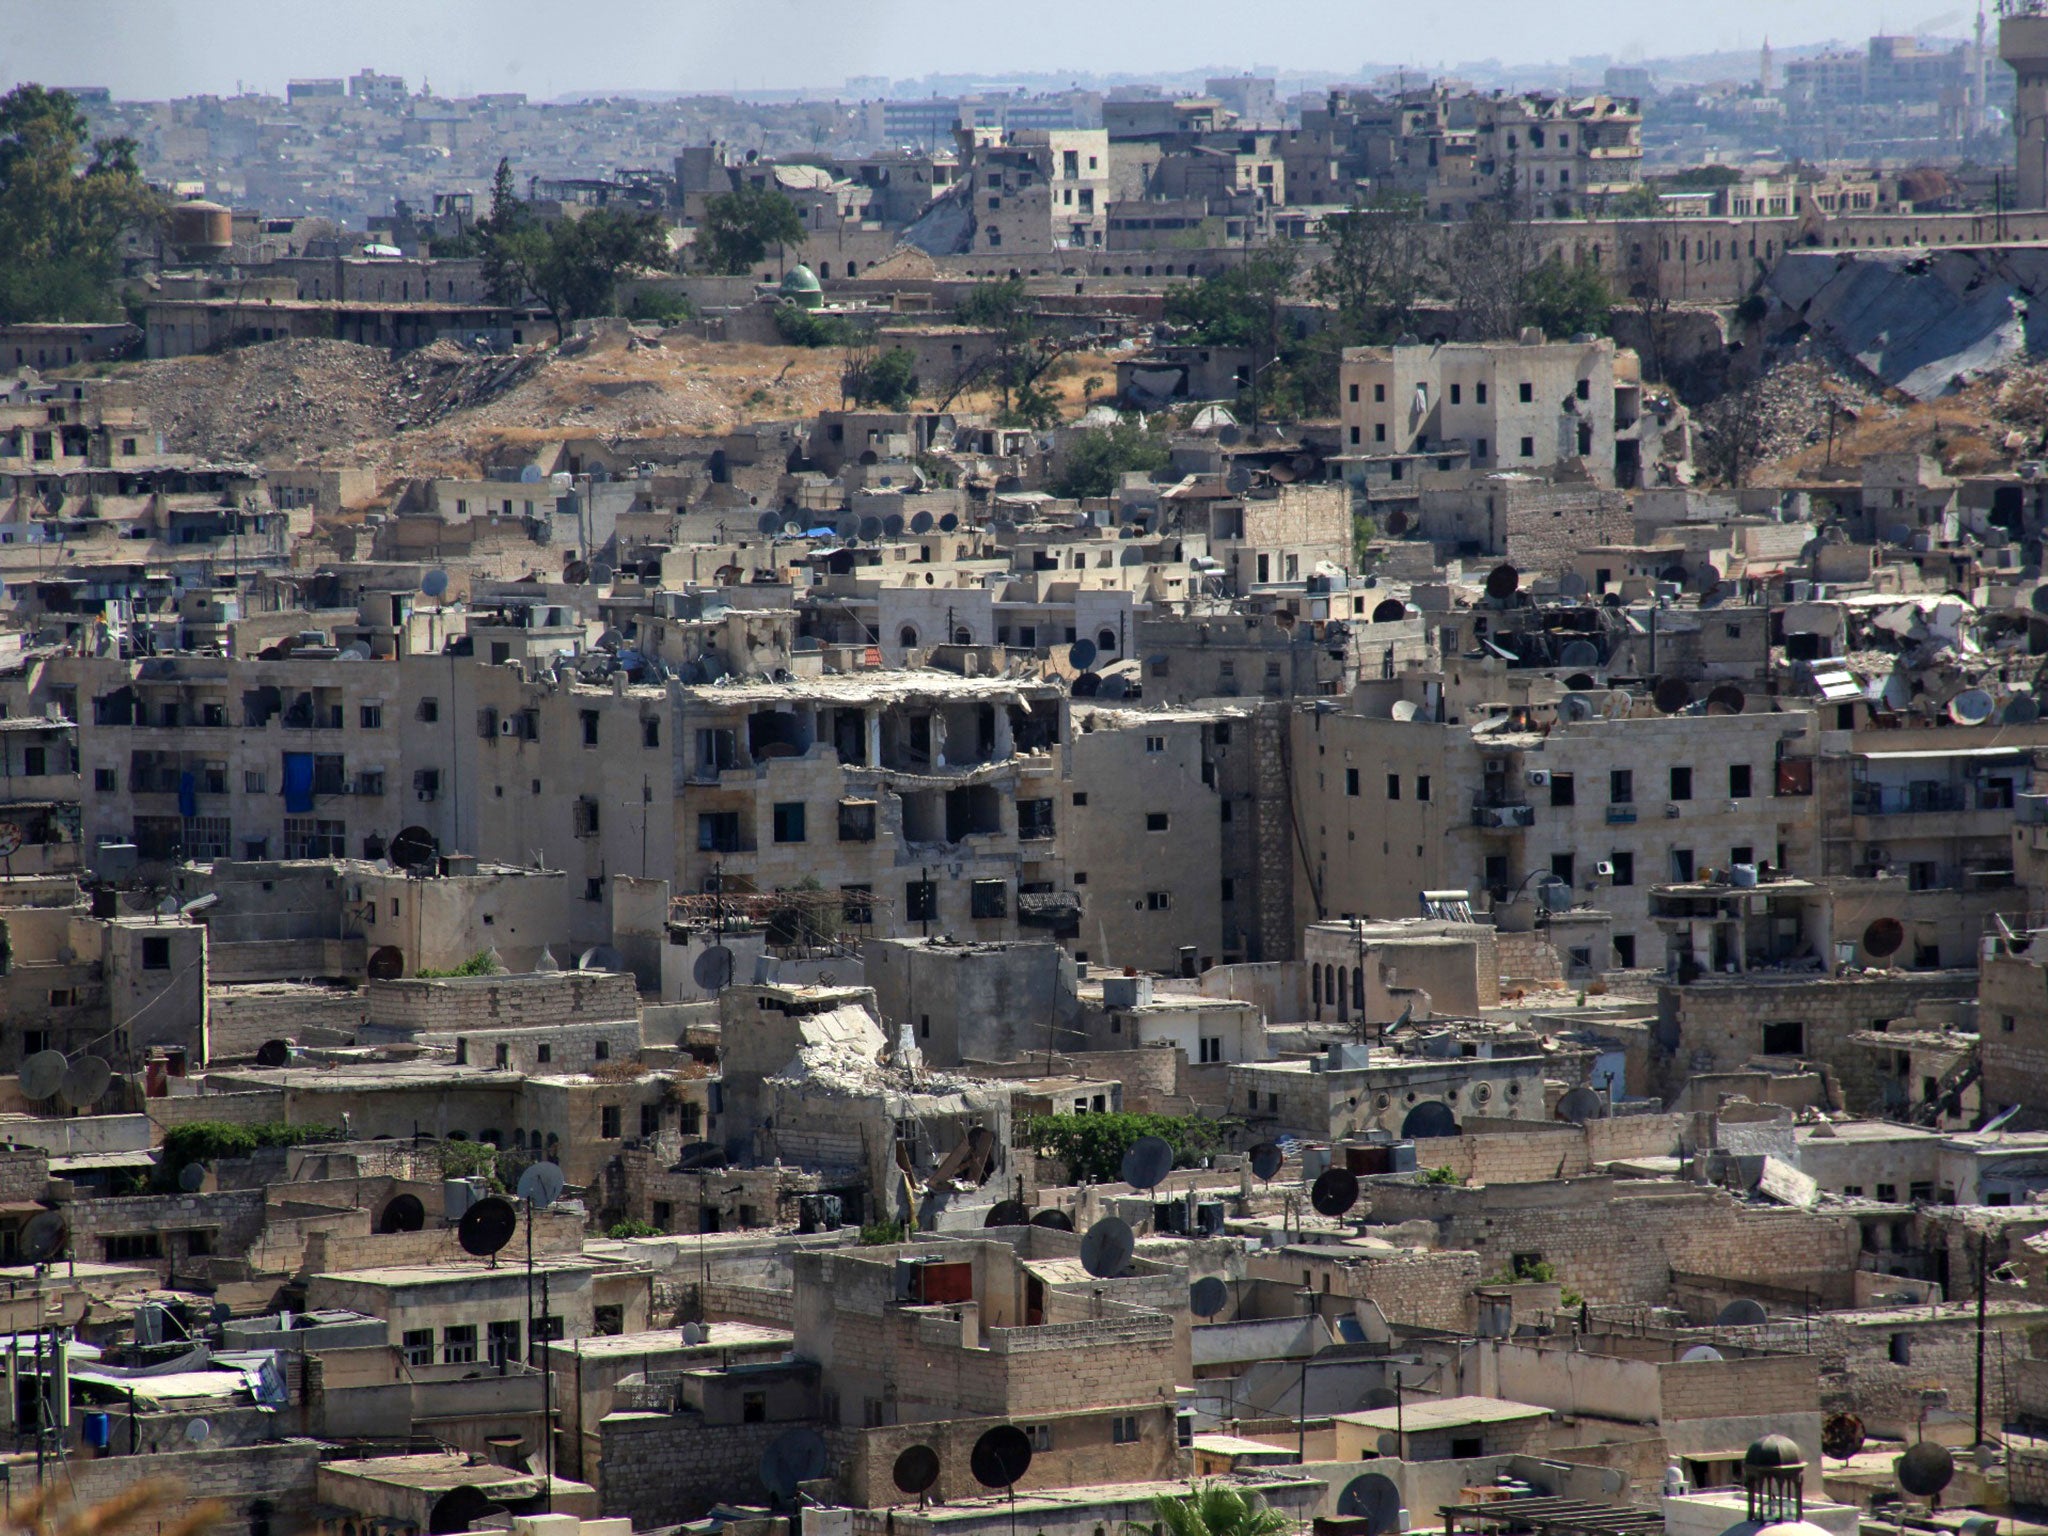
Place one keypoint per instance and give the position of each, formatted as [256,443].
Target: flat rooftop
[1421,1415]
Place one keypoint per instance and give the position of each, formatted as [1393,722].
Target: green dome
[801,279]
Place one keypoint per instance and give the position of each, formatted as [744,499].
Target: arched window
[1315,985]
[907,637]
[1106,641]
[1343,1013]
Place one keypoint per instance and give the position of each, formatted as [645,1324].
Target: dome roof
[801,279]
[1774,1453]
[1790,1528]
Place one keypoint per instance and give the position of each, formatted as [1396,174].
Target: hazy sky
[159,48]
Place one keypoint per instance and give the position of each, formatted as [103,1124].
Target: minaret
[1766,74]
[1980,98]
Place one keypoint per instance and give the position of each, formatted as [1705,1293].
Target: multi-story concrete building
[1535,406]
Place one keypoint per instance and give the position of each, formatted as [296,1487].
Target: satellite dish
[529,474]
[601,957]
[355,652]
[920,522]
[948,522]
[85,1080]
[1572,584]
[1373,1498]
[1149,1159]
[1700,1352]
[576,573]
[1115,686]
[1672,695]
[871,527]
[487,1226]
[917,1466]
[2021,709]
[541,1185]
[1972,706]
[1726,699]
[1841,1435]
[769,522]
[1208,1296]
[1266,1160]
[273,1053]
[1055,1221]
[43,1074]
[403,1213]
[1107,1248]
[694,1334]
[1502,582]
[1703,579]
[713,970]
[192,1178]
[1580,1105]
[600,573]
[1081,655]
[386,964]
[1334,1192]
[1582,682]
[892,526]
[198,1431]
[43,1238]
[1404,710]
[1431,1118]
[414,848]
[1884,938]
[1925,1469]
[1579,653]
[1742,1313]
[1008,1213]
[1002,1455]
[434,583]
[1389,610]
[1086,686]
[1574,707]
[793,1457]
[1898,692]
[1397,523]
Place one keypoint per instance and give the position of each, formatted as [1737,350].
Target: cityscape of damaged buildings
[1449,951]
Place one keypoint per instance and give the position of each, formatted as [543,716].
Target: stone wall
[2013,1046]
[239,1019]
[504,1002]
[662,1469]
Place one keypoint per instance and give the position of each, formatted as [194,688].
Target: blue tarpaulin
[298,783]
[188,795]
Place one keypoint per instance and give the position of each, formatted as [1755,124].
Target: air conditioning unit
[1672,812]
[1875,855]
[1604,869]
[428,796]
[508,727]
[1496,765]
[1539,775]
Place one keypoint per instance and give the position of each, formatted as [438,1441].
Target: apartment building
[1535,406]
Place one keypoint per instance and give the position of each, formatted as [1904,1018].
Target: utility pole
[1983,1247]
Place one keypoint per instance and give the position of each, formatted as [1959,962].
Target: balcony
[1503,818]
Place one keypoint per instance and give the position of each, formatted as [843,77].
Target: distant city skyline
[153,49]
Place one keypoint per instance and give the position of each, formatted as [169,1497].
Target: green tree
[1093,1146]
[887,379]
[508,213]
[632,1226]
[1565,298]
[1239,306]
[1213,1509]
[1638,202]
[1100,456]
[658,306]
[740,226]
[572,266]
[1020,357]
[1381,268]
[64,203]
[802,327]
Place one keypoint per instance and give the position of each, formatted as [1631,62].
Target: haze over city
[159,48]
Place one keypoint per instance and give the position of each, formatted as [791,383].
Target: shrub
[879,1234]
[479,964]
[1093,1146]
[661,306]
[1443,1175]
[632,1227]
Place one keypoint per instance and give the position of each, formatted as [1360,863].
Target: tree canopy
[64,202]
[1099,457]
[741,226]
[1213,1509]
[572,266]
